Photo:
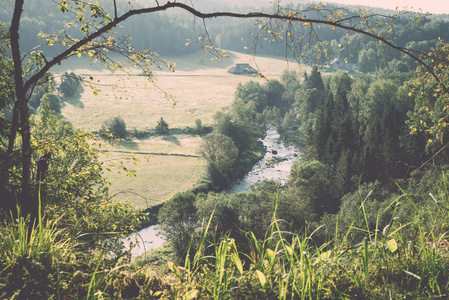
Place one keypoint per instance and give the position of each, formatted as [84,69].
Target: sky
[432,6]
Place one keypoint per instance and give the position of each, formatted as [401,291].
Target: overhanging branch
[252,15]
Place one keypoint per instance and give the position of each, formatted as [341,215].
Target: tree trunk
[7,200]
[27,204]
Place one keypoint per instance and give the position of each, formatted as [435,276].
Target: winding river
[276,164]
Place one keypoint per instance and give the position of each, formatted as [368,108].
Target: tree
[198,127]
[252,92]
[178,221]
[96,27]
[115,126]
[53,103]
[69,85]
[313,185]
[221,154]
[367,61]
[162,127]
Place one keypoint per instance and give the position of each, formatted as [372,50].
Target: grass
[401,261]
[157,180]
[173,166]
[200,88]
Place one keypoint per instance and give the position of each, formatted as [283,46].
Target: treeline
[157,32]
[69,87]
[168,35]
[420,33]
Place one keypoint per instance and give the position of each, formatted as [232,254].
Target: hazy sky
[432,6]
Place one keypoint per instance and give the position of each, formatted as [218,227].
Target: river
[276,164]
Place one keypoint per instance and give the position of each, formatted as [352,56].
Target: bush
[162,127]
[69,85]
[53,103]
[115,126]
[199,128]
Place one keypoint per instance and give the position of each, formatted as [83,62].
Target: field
[200,88]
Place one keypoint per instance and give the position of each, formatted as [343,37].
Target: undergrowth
[400,261]
[407,259]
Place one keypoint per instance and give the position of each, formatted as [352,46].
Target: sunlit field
[199,87]
[173,166]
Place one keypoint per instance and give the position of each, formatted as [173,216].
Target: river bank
[276,164]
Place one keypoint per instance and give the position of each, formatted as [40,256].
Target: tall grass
[40,260]
[406,259]
[400,261]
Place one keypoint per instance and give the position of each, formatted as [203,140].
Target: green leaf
[238,263]
[262,278]
[392,246]
[191,294]
[270,254]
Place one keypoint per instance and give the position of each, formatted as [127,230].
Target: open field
[174,166]
[200,87]
[157,180]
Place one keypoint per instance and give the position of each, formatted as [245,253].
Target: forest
[363,213]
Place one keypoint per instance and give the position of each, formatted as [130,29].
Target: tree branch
[196,13]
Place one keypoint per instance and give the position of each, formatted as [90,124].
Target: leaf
[262,278]
[270,254]
[238,263]
[191,294]
[171,266]
[392,246]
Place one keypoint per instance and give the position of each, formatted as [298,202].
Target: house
[242,69]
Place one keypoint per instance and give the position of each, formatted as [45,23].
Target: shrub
[162,127]
[53,102]
[115,126]
[69,85]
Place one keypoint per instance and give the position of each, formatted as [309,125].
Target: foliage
[221,154]
[43,261]
[222,211]
[429,115]
[283,266]
[199,127]
[313,186]
[70,163]
[367,61]
[53,102]
[162,127]
[115,128]
[71,182]
[178,221]
[70,84]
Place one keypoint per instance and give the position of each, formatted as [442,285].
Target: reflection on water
[147,238]
[276,164]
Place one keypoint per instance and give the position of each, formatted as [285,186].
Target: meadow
[199,88]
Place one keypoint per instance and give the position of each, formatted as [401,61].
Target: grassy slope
[201,87]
